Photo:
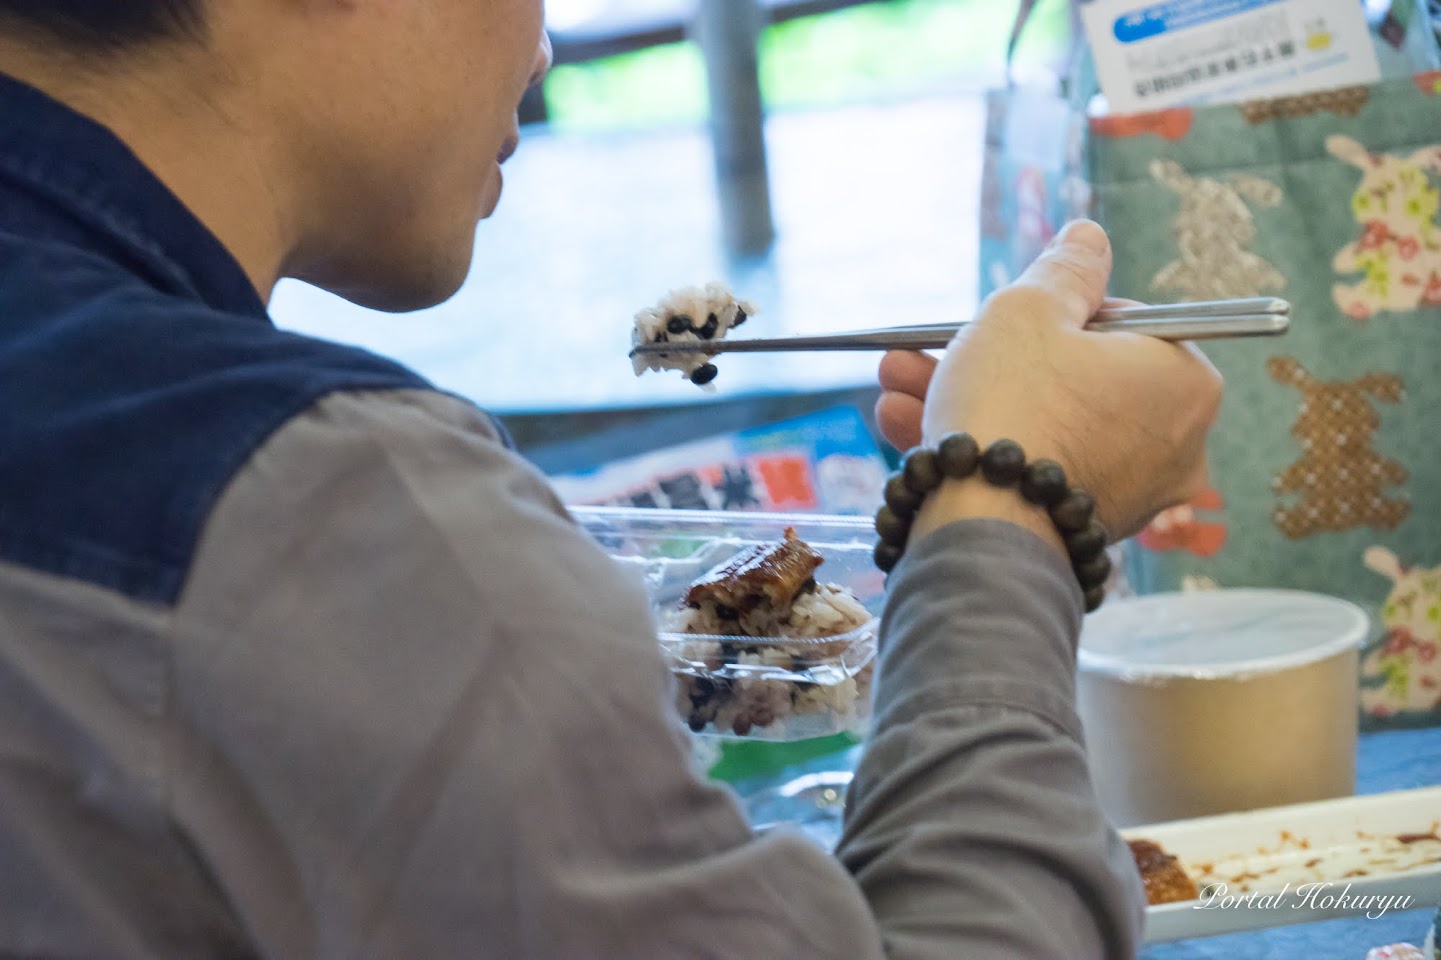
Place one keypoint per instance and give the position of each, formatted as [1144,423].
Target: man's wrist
[973,499]
[932,489]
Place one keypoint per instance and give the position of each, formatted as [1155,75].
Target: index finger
[908,372]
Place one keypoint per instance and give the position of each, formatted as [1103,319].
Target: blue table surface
[1386,761]
[1395,760]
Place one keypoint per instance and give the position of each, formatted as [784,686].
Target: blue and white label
[1161,18]
[1194,52]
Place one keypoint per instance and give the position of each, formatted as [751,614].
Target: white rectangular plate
[1299,864]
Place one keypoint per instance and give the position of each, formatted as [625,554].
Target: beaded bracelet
[1003,465]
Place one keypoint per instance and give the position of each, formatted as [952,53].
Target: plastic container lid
[1218,633]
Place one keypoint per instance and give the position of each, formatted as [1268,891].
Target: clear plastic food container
[749,687]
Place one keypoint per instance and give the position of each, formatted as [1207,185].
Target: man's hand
[1126,415]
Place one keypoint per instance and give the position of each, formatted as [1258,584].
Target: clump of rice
[764,675]
[688,315]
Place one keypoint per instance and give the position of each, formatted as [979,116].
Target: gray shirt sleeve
[418,713]
[972,826]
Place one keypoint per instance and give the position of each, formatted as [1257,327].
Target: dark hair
[103,25]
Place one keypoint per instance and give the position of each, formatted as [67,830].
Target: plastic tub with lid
[1221,700]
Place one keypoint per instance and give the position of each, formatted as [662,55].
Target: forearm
[973,828]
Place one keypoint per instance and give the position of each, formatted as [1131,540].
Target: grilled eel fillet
[772,572]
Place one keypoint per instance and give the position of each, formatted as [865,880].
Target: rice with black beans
[731,686]
[688,315]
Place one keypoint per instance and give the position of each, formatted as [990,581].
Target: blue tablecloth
[1396,760]
[1399,760]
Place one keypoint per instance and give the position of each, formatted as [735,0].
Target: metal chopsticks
[1210,320]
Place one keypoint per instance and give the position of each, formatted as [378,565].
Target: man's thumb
[1076,267]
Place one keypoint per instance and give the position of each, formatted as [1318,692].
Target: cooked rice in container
[761,664]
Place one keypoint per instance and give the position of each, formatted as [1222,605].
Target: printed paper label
[1193,52]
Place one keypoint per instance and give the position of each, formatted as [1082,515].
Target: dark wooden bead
[1003,463]
[891,528]
[901,498]
[1093,572]
[1073,514]
[1094,598]
[958,455]
[1087,543]
[921,471]
[1044,482]
[887,556]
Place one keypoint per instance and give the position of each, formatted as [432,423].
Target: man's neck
[179,117]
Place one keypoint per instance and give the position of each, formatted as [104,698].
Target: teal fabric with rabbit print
[1326,460]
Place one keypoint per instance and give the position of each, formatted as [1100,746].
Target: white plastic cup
[1216,701]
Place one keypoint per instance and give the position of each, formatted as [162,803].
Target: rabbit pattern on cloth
[1325,442]
[1341,480]
[1214,230]
[1399,252]
[1402,673]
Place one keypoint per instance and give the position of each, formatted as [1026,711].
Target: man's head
[369,131]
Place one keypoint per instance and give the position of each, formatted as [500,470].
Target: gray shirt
[405,708]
